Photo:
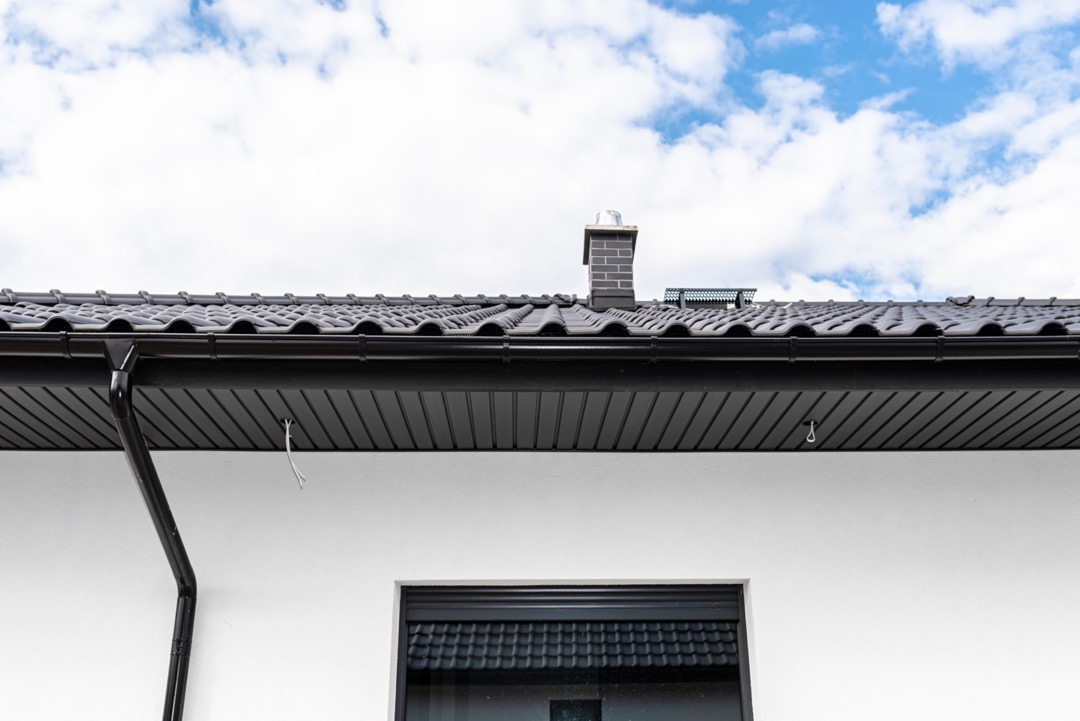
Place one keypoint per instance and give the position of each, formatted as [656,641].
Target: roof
[524,316]
[563,646]
[539,373]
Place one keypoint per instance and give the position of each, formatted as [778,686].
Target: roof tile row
[550,319]
[101,297]
[539,646]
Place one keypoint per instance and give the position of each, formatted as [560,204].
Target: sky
[819,150]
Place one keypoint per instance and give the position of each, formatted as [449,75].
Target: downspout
[122,358]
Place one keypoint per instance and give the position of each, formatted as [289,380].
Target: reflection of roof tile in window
[523,646]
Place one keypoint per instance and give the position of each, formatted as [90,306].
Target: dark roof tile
[603,645]
[524,316]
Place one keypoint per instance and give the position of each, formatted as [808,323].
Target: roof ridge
[55,297]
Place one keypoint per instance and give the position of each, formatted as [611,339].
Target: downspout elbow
[120,395]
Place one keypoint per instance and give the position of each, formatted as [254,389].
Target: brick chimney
[609,253]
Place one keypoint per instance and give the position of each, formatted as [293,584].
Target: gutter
[122,358]
[507,349]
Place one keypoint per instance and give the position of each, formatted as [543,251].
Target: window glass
[548,654]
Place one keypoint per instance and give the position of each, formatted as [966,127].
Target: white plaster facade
[879,585]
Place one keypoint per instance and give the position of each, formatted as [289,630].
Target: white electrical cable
[288,452]
[810,437]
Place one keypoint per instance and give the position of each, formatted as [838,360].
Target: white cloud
[310,150]
[1044,132]
[888,100]
[1001,117]
[800,34]
[77,33]
[972,30]
[1010,235]
[699,48]
[243,166]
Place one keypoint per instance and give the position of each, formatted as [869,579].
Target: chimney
[609,253]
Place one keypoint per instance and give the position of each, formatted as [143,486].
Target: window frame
[615,602]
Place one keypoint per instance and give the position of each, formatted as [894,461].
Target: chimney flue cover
[609,217]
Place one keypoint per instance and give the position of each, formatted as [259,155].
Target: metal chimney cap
[609,217]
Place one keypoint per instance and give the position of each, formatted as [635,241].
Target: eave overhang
[209,391]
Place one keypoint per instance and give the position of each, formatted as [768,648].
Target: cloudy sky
[811,149]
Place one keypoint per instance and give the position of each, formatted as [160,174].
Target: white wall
[883,586]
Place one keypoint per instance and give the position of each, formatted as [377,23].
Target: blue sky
[912,149]
[841,46]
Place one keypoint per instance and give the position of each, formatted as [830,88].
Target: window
[572,653]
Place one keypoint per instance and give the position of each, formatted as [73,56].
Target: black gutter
[123,357]
[506,349]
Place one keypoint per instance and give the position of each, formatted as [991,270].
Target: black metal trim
[702,602]
[745,695]
[597,376]
[402,657]
[194,346]
[123,361]
[571,603]
[477,376]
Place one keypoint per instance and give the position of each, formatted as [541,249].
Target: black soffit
[625,421]
[553,406]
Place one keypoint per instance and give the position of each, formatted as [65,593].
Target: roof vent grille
[709,297]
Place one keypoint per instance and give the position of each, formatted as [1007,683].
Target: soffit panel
[627,420]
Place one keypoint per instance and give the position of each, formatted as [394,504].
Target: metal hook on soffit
[123,356]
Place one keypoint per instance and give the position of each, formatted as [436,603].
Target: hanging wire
[288,452]
[810,437]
